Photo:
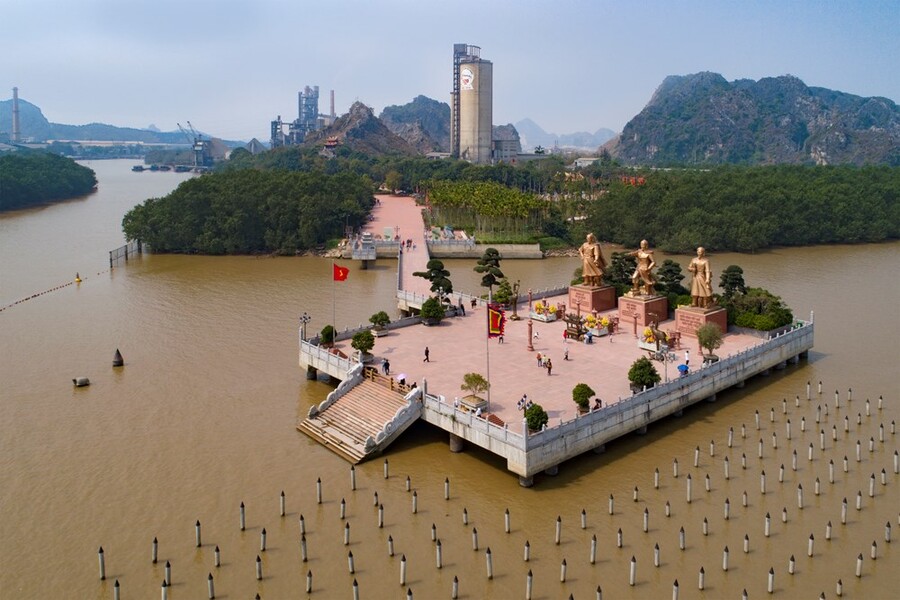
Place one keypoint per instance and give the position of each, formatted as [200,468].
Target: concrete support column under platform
[456,443]
[311,373]
[781,365]
[710,398]
[794,359]
[641,430]
[600,449]
[740,384]
[766,372]
[554,470]
[526,481]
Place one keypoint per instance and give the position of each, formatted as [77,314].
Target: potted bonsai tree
[326,336]
[582,394]
[363,342]
[474,383]
[536,417]
[379,323]
[432,312]
[642,374]
[709,337]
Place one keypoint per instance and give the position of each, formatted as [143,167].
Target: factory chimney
[332,106]
[16,134]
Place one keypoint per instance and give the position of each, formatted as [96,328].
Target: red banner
[496,320]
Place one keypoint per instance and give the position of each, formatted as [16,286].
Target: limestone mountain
[533,135]
[362,131]
[424,123]
[702,119]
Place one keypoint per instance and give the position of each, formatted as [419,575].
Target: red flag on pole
[340,273]
[496,320]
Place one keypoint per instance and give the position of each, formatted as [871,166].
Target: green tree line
[748,208]
[251,211]
[31,178]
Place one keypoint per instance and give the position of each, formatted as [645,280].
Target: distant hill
[702,119]
[35,126]
[362,131]
[532,135]
[424,123]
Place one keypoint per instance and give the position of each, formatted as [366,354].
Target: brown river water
[203,417]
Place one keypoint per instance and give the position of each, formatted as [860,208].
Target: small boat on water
[137,168]
[165,168]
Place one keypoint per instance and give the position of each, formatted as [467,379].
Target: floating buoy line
[78,280]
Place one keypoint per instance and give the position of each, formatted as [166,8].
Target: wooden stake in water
[770,586]
[474,539]
[611,504]
[217,560]
[403,570]
[688,490]
[701,579]
[725,559]
[558,529]
[681,539]
[281,504]
[210,586]
[619,539]
[583,519]
[668,509]
[415,502]
[655,555]
[632,571]
[309,582]
[810,545]
[319,491]
[243,518]
[529,584]
[646,523]
[262,540]
[304,556]
[859,561]
[454,590]
[562,572]
[385,468]
[705,526]
[116,595]
[197,533]
[437,554]
[347,534]
[408,483]
[593,549]
[433,532]
[768,525]
[380,516]
[353,477]
[154,551]
[656,479]
[168,573]
[675,468]
[465,516]
[350,565]
[102,560]
[446,488]
[343,509]
[489,563]
[390,544]
[302,525]
[791,564]
[506,520]
[258,568]
[527,554]
[746,543]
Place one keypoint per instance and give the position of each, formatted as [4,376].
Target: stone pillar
[600,449]
[311,373]
[781,365]
[642,430]
[711,398]
[554,470]
[526,482]
[456,443]
[740,384]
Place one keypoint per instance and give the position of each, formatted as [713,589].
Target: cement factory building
[471,105]
[307,121]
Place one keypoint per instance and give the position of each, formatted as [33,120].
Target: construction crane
[199,146]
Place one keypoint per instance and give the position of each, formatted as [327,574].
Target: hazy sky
[230,67]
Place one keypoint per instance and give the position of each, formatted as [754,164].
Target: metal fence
[129,250]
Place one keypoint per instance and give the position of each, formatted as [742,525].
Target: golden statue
[592,261]
[701,284]
[642,280]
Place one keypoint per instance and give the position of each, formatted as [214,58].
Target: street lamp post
[304,319]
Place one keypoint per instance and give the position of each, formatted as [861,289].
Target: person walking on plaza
[427,355]
[540,362]
[549,367]
[566,354]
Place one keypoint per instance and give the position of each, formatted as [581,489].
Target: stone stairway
[361,413]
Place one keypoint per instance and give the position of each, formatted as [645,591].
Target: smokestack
[16,135]
[332,106]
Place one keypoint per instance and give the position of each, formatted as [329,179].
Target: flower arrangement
[604,323]
[540,307]
[590,322]
[649,338]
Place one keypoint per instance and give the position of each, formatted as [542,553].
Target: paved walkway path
[398,216]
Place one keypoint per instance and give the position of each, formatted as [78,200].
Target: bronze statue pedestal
[688,319]
[643,309]
[590,298]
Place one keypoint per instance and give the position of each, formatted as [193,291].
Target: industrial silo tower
[471,105]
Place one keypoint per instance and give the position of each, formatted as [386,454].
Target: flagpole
[487,346]
[333,319]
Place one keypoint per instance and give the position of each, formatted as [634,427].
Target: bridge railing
[503,433]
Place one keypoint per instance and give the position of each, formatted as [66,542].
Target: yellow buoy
[77,278]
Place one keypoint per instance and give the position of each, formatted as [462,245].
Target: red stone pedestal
[689,318]
[590,298]
[640,308]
